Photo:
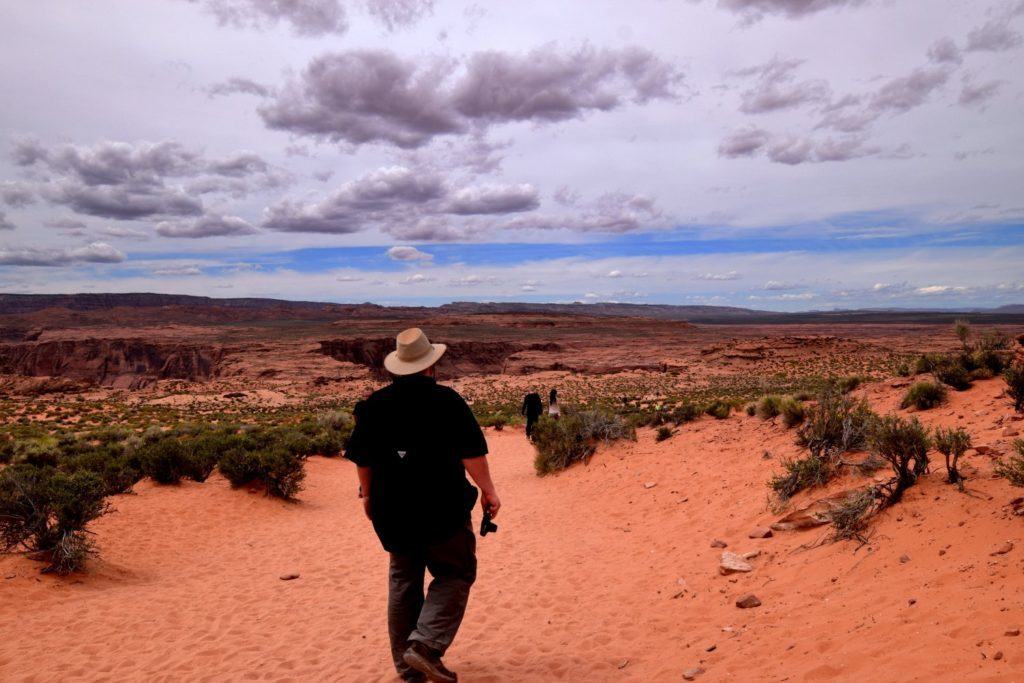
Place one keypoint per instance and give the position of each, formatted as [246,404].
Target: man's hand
[490,503]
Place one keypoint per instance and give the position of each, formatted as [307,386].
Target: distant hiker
[412,444]
[553,410]
[532,409]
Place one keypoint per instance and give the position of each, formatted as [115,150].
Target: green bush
[280,471]
[924,395]
[835,424]
[769,406]
[793,412]
[47,512]
[988,359]
[1014,377]
[955,374]
[685,412]
[952,443]
[118,471]
[718,409]
[663,433]
[239,466]
[165,461]
[904,445]
[903,370]
[928,362]
[1012,469]
[574,438]
[802,473]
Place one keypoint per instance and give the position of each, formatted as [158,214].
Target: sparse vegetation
[924,395]
[664,433]
[1012,469]
[769,407]
[954,373]
[847,384]
[574,438]
[802,473]
[850,516]
[835,425]
[952,443]
[1014,377]
[719,409]
[904,445]
[793,412]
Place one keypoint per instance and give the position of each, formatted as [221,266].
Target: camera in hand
[487,526]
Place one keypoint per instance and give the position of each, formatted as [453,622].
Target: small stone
[691,674]
[748,601]
[624,663]
[1011,431]
[912,601]
[982,450]
[1003,549]
[718,543]
[732,563]
[904,559]
[751,555]
[650,484]
[289,577]
[998,655]
[11,576]
[760,532]
[1012,633]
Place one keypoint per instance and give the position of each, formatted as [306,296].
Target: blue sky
[757,153]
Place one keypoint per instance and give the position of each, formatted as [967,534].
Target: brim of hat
[396,366]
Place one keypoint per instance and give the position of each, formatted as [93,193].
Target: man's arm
[481,474]
[365,477]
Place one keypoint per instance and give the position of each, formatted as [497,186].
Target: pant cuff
[429,642]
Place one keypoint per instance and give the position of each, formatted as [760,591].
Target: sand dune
[605,572]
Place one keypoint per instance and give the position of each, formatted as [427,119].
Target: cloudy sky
[776,154]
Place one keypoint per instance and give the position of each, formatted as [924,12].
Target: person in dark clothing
[532,408]
[413,443]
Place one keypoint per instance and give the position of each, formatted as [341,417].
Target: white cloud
[408,254]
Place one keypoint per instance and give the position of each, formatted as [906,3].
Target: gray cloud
[744,143]
[613,212]
[125,181]
[396,14]
[367,96]
[65,224]
[945,51]
[905,93]
[97,252]
[978,94]
[178,271]
[123,232]
[306,17]
[4,223]
[16,194]
[238,85]
[754,10]
[207,226]
[993,36]
[776,88]
[408,254]
[718,277]
[487,199]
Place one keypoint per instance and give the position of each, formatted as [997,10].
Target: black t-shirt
[413,435]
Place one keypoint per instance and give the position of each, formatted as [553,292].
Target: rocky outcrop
[117,363]
[462,357]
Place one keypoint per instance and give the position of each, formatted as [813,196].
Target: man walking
[413,443]
[532,408]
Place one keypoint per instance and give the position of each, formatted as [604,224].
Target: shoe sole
[423,665]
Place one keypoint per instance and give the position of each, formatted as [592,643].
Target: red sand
[592,577]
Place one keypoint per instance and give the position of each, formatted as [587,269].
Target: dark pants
[432,620]
[531,422]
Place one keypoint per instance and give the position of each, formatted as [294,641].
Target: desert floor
[604,572]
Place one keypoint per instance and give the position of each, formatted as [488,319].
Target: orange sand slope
[602,573]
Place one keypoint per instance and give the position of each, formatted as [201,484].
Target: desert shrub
[793,412]
[43,452]
[1012,469]
[165,461]
[802,473]
[953,373]
[751,409]
[988,359]
[903,369]
[718,409]
[952,443]
[118,471]
[850,516]
[282,472]
[769,406]
[664,432]
[239,466]
[980,373]
[927,362]
[835,424]
[46,512]
[6,451]
[847,384]
[1014,377]
[685,412]
[962,330]
[904,445]
[993,340]
[574,438]
[924,395]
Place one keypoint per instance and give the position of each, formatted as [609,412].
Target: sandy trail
[594,576]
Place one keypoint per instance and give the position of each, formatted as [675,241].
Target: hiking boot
[428,662]
[413,677]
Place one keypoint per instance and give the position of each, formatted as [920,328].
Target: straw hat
[414,353]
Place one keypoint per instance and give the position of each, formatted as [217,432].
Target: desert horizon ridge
[628,566]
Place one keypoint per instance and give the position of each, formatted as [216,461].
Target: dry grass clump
[924,395]
[793,411]
[850,517]
[1012,469]
[574,438]
[768,407]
